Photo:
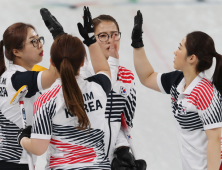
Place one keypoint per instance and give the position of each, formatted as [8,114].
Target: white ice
[166,23]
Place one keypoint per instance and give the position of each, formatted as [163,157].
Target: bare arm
[213,148]
[144,69]
[98,59]
[35,146]
[113,60]
[48,77]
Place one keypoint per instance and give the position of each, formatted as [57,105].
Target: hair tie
[2,43]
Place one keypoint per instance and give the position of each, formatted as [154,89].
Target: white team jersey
[10,117]
[121,100]
[195,110]
[70,148]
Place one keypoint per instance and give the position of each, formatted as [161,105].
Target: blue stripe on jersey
[10,151]
[45,118]
[121,104]
[213,113]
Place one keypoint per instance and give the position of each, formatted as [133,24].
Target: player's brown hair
[68,53]
[13,38]
[100,18]
[202,45]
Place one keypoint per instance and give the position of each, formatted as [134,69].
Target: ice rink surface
[166,23]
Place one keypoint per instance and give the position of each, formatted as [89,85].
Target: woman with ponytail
[70,117]
[196,100]
[23,48]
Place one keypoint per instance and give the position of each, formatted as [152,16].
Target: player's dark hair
[202,45]
[100,18]
[68,53]
[13,37]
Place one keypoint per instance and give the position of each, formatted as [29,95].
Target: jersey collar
[193,84]
[15,67]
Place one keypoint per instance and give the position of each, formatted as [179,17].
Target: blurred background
[166,23]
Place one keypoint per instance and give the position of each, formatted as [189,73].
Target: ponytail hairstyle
[202,45]
[13,37]
[96,21]
[67,54]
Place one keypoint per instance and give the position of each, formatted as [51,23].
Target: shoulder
[46,97]
[204,92]
[125,75]
[205,89]
[101,79]
[168,81]
[29,78]
[172,78]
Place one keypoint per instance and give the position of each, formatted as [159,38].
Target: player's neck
[189,76]
[57,75]
[23,64]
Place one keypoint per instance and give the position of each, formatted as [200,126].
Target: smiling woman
[24,49]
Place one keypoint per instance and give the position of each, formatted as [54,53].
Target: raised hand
[87,31]
[137,39]
[113,51]
[51,23]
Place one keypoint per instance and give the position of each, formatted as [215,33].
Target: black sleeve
[170,79]
[102,80]
[28,78]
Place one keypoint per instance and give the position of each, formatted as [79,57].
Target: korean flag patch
[122,90]
[183,111]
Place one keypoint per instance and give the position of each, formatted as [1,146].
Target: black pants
[13,166]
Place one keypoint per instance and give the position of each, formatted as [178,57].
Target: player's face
[29,54]
[108,27]
[180,56]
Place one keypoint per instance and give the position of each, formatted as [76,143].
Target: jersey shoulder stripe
[10,151]
[202,95]
[125,75]
[45,97]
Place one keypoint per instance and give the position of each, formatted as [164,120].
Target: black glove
[87,32]
[137,39]
[140,164]
[24,133]
[51,23]
[124,160]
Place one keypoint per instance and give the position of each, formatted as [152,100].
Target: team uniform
[10,117]
[70,148]
[195,110]
[121,100]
